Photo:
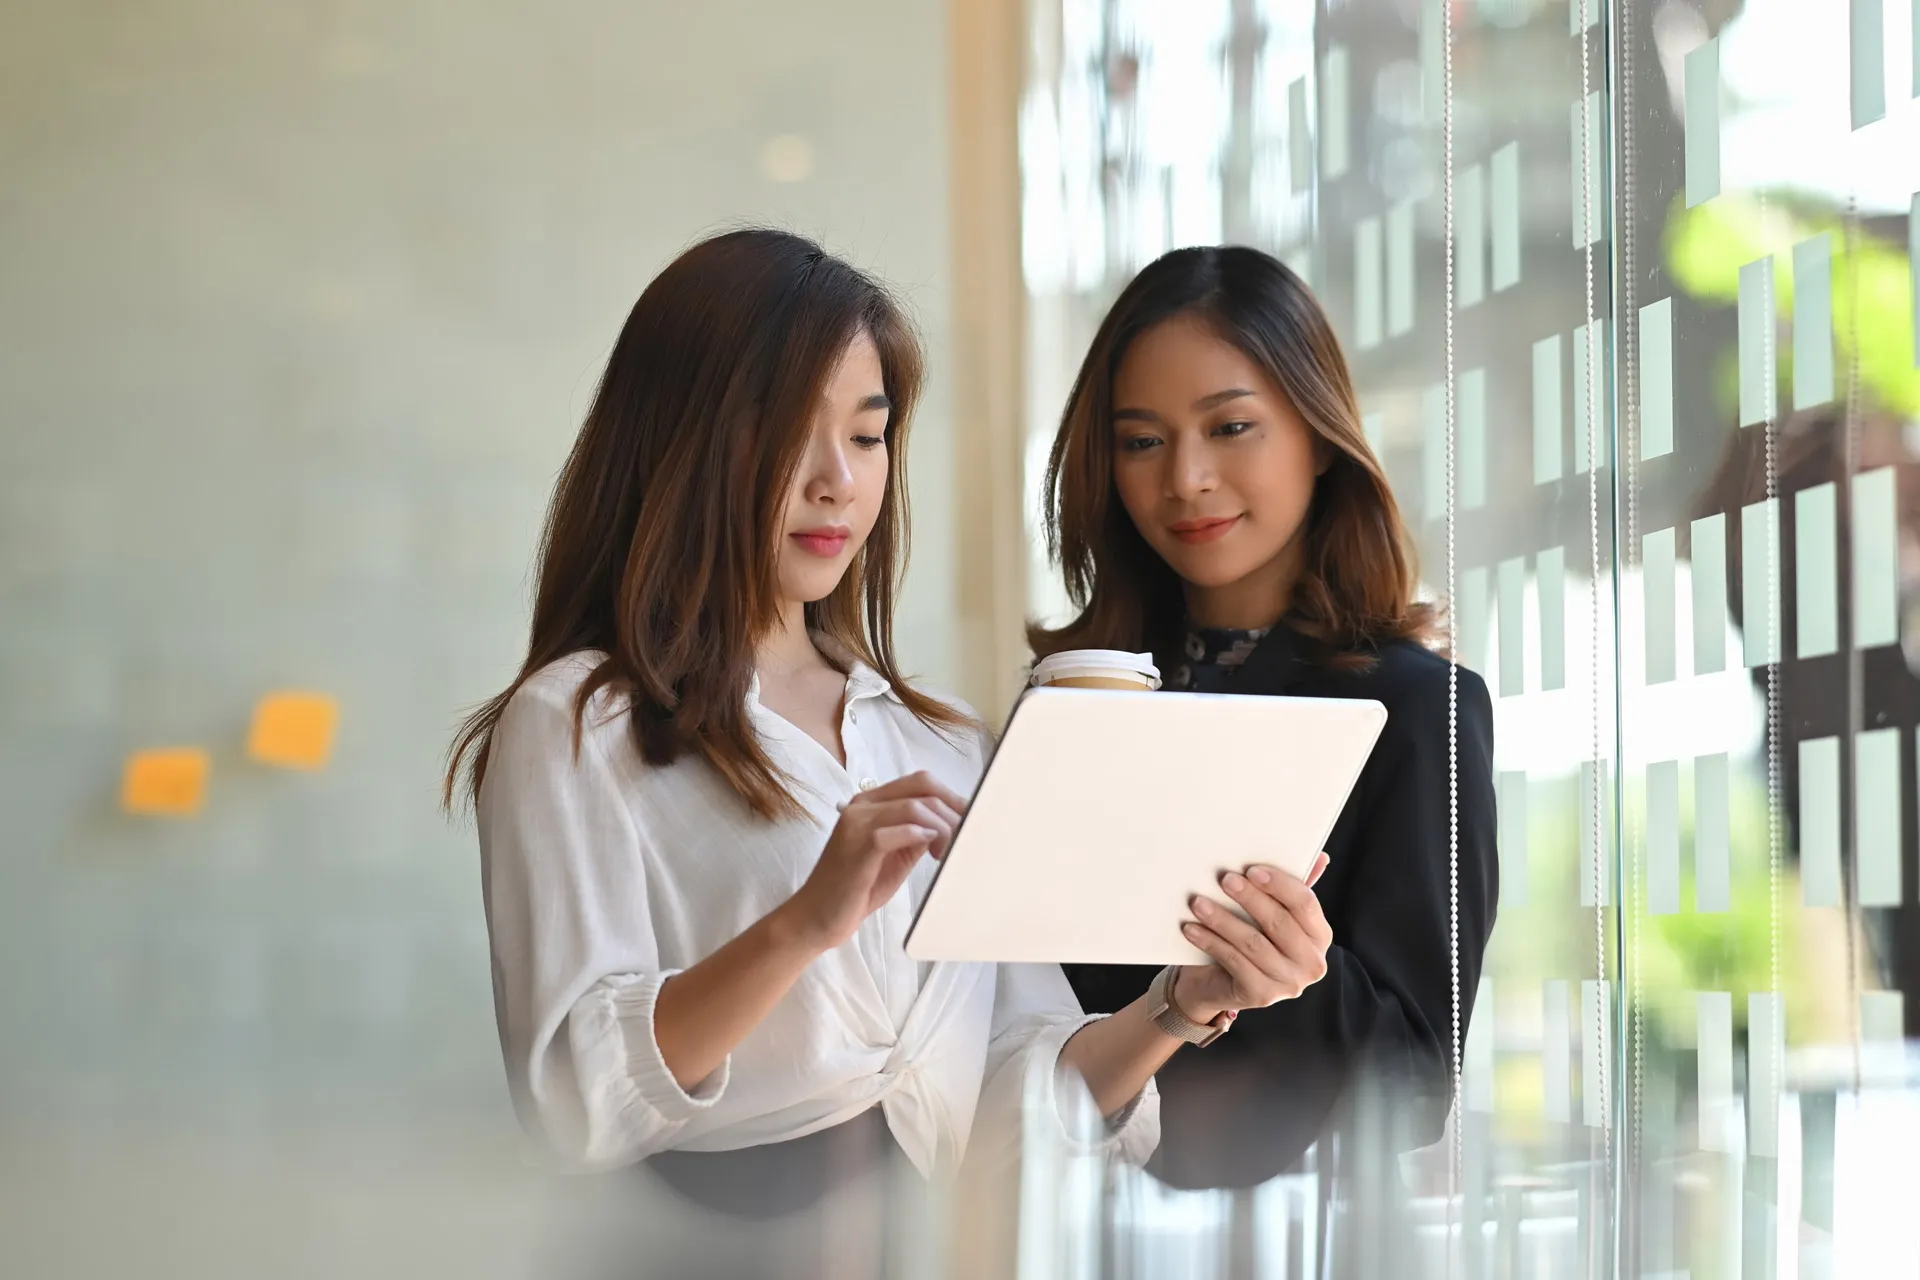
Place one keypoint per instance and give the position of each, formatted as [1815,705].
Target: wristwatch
[1167,1016]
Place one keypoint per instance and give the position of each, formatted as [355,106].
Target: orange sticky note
[294,730]
[170,781]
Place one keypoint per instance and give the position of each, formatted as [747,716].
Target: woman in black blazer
[1211,498]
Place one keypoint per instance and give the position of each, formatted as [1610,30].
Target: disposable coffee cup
[1096,669]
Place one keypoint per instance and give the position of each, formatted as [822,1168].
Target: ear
[1325,454]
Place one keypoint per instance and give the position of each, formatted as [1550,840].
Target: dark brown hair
[662,537]
[1356,590]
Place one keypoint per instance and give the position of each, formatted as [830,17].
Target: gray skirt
[842,1203]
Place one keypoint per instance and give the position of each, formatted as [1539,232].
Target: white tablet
[1104,811]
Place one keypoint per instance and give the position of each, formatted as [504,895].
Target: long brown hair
[662,538]
[1356,591]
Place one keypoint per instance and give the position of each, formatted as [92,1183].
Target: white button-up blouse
[604,876]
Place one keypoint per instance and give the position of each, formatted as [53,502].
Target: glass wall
[1629,294]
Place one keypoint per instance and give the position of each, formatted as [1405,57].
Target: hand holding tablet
[1274,958]
[1106,812]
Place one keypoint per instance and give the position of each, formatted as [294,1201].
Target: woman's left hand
[1278,956]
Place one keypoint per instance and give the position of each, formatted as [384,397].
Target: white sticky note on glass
[1867,63]
[1596,1026]
[1472,459]
[1374,427]
[1433,446]
[1719,1124]
[1758,402]
[1813,322]
[1549,419]
[1589,170]
[1503,180]
[1760,581]
[1663,837]
[1470,235]
[1709,579]
[1766,1048]
[1703,123]
[1556,1049]
[1590,400]
[1333,112]
[1475,604]
[1596,830]
[1550,584]
[1712,848]
[1367,283]
[1819,826]
[1511,796]
[1433,50]
[1816,570]
[1581,148]
[1400,269]
[1656,379]
[1513,628]
[1883,1045]
[1478,1069]
[1300,262]
[1876,817]
[1883,1017]
[1299,140]
[1657,581]
[1876,560]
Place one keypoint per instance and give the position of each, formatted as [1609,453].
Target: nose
[829,478]
[1190,471]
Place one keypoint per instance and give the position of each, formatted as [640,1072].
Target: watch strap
[1167,1016]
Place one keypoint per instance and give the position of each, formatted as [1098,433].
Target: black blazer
[1371,1044]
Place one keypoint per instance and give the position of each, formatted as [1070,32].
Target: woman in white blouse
[701,798]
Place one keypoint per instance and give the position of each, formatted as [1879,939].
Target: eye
[1137,444]
[870,442]
[1231,429]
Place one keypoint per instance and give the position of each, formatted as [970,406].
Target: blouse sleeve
[1034,1015]
[576,967]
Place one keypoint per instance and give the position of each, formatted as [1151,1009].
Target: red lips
[1209,529]
[826,542]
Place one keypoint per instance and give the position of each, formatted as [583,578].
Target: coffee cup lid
[1073,662]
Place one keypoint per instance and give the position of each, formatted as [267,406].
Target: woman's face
[841,482]
[1215,466]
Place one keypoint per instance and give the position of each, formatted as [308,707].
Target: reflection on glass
[1685,537]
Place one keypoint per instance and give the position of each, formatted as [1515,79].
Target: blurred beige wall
[302,303]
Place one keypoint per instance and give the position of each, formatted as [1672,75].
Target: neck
[787,647]
[1255,602]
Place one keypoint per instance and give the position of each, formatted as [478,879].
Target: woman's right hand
[881,835]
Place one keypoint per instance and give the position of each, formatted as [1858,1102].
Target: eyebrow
[872,403]
[1201,405]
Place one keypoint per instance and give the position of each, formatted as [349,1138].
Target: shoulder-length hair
[663,534]
[1357,588]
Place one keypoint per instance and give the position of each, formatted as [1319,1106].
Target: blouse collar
[1270,660]
[862,680]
